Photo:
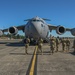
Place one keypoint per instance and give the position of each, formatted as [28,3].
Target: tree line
[18,36]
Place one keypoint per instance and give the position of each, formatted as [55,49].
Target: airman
[63,44]
[40,44]
[67,44]
[26,45]
[57,43]
[52,44]
[74,44]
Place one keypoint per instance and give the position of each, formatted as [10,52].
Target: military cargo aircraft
[37,27]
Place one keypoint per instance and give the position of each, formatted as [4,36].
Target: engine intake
[60,30]
[1,33]
[13,30]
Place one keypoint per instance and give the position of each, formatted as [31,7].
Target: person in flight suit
[52,44]
[27,41]
[63,41]
[40,43]
[57,43]
[67,44]
[74,45]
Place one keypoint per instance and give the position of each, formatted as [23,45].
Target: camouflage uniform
[40,43]
[74,44]
[63,44]
[27,44]
[52,44]
[57,43]
[67,44]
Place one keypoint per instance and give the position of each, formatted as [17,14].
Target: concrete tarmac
[13,60]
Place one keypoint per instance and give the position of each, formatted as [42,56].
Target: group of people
[54,44]
[38,42]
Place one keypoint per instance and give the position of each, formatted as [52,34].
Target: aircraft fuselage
[36,28]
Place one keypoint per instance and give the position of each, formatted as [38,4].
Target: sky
[60,12]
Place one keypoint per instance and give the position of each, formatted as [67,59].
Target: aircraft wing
[52,27]
[13,29]
[61,29]
[21,27]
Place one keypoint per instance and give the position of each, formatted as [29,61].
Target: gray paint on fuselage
[31,31]
[36,27]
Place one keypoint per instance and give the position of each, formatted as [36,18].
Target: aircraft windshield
[37,20]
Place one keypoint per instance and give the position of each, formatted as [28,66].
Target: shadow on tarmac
[17,53]
[15,44]
[73,53]
[20,54]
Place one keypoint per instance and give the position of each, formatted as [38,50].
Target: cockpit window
[34,20]
[37,20]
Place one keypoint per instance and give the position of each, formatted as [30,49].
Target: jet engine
[13,30]
[60,30]
[73,31]
[1,33]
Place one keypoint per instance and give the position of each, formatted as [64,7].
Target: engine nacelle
[13,30]
[60,30]
[1,33]
[73,31]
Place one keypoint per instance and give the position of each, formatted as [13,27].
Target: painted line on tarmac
[33,62]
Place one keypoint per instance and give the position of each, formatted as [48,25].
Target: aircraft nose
[36,26]
[34,30]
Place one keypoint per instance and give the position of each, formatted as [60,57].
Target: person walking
[27,41]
